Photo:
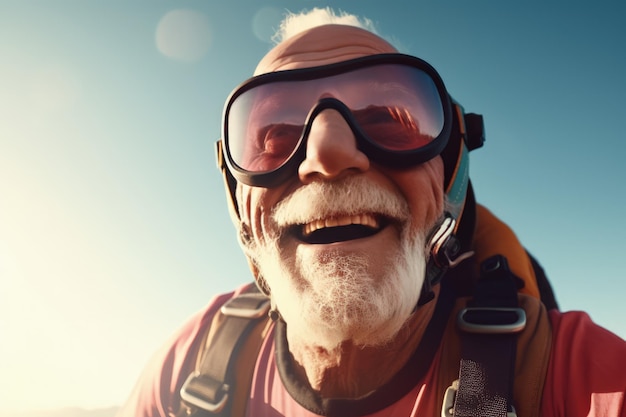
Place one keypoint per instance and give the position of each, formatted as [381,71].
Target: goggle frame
[377,153]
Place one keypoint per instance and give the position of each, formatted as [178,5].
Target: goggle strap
[230,183]
[457,189]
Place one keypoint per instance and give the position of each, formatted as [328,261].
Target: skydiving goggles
[396,106]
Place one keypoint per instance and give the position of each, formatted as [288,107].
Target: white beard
[343,295]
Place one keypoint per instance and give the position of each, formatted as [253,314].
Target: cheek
[423,188]
[248,200]
[255,205]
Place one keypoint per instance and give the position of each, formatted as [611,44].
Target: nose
[331,150]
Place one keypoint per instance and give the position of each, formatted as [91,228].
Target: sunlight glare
[183,35]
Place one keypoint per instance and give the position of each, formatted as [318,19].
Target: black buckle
[492,320]
[204,392]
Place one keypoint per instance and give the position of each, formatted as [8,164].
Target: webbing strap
[212,386]
[489,328]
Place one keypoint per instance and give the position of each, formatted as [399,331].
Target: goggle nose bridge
[332,103]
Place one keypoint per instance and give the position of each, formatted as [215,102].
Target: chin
[344,296]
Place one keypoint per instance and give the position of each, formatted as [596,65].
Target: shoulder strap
[221,382]
[503,358]
[489,327]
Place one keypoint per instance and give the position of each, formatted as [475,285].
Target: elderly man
[346,168]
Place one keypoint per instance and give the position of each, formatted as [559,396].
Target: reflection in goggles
[393,127]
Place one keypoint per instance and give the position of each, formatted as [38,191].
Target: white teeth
[362,219]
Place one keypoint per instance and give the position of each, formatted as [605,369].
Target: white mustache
[352,195]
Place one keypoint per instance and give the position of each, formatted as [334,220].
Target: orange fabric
[493,237]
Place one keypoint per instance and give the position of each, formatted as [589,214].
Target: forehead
[323,45]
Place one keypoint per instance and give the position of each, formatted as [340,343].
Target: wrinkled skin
[331,154]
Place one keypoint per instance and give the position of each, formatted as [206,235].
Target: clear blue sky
[113,224]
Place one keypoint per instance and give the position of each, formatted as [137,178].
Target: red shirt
[586,375]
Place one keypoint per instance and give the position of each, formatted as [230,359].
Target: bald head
[323,45]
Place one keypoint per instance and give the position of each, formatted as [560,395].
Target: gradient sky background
[113,224]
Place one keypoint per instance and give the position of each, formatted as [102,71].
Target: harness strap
[489,327]
[221,382]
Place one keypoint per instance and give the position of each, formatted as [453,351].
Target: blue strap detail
[458,188]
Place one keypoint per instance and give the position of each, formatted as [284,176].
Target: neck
[351,371]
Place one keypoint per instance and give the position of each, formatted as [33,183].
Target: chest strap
[489,328]
[221,382]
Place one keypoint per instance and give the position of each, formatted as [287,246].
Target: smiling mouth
[340,229]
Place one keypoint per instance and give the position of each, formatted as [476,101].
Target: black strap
[211,387]
[489,327]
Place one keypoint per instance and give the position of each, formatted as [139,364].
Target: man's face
[341,245]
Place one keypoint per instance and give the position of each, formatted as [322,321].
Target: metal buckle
[247,305]
[195,396]
[513,326]
[444,246]
[447,407]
